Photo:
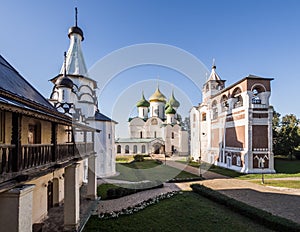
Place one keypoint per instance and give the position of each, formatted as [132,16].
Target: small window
[154,134]
[135,149]
[143,149]
[203,116]
[2,127]
[172,135]
[194,117]
[141,135]
[119,149]
[126,149]
[108,136]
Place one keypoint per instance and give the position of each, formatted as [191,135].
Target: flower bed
[137,207]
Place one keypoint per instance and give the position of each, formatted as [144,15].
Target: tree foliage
[286,134]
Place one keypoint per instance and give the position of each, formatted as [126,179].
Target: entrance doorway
[50,195]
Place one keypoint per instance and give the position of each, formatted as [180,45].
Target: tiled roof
[11,81]
[102,117]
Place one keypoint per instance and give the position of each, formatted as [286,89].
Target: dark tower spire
[76,29]
[65,64]
[76,13]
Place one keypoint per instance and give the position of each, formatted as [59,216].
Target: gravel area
[134,199]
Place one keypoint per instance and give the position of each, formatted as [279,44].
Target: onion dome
[143,102]
[75,30]
[157,96]
[64,81]
[173,102]
[170,110]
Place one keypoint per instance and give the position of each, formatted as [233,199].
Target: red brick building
[232,127]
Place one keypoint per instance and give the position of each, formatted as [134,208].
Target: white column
[72,201]
[92,178]
[16,209]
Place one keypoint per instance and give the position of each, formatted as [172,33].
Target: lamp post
[200,171]
[262,161]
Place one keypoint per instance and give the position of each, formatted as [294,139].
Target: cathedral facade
[157,128]
[232,127]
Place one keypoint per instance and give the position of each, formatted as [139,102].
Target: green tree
[286,135]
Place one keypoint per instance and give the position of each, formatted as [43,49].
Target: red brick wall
[235,137]
[260,136]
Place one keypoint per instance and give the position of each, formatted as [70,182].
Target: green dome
[143,102]
[170,110]
[167,105]
[173,102]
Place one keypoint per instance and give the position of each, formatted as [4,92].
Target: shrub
[138,158]
[297,154]
[118,192]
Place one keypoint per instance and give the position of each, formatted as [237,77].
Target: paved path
[283,202]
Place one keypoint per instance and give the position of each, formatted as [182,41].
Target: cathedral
[232,127]
[74,94]
[157,128]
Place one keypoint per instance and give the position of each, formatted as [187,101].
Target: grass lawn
[149,170]
[287,166]
[184,212]
[280,183]
[284,168]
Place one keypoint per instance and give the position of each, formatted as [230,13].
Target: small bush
[117,192]
[138,158]
[297,154]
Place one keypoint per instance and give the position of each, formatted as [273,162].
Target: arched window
[172,135]
[126,149]
[214,110]
[134,149]
[119,149]
[207,88]
[154,134]
[143,149]
[255,98]
[237,98]
[141,134]
[224,103]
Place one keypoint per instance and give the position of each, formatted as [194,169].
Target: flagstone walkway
[283,202]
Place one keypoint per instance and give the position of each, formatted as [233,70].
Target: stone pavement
[282,202]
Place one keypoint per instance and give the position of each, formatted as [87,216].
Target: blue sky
[259,37]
